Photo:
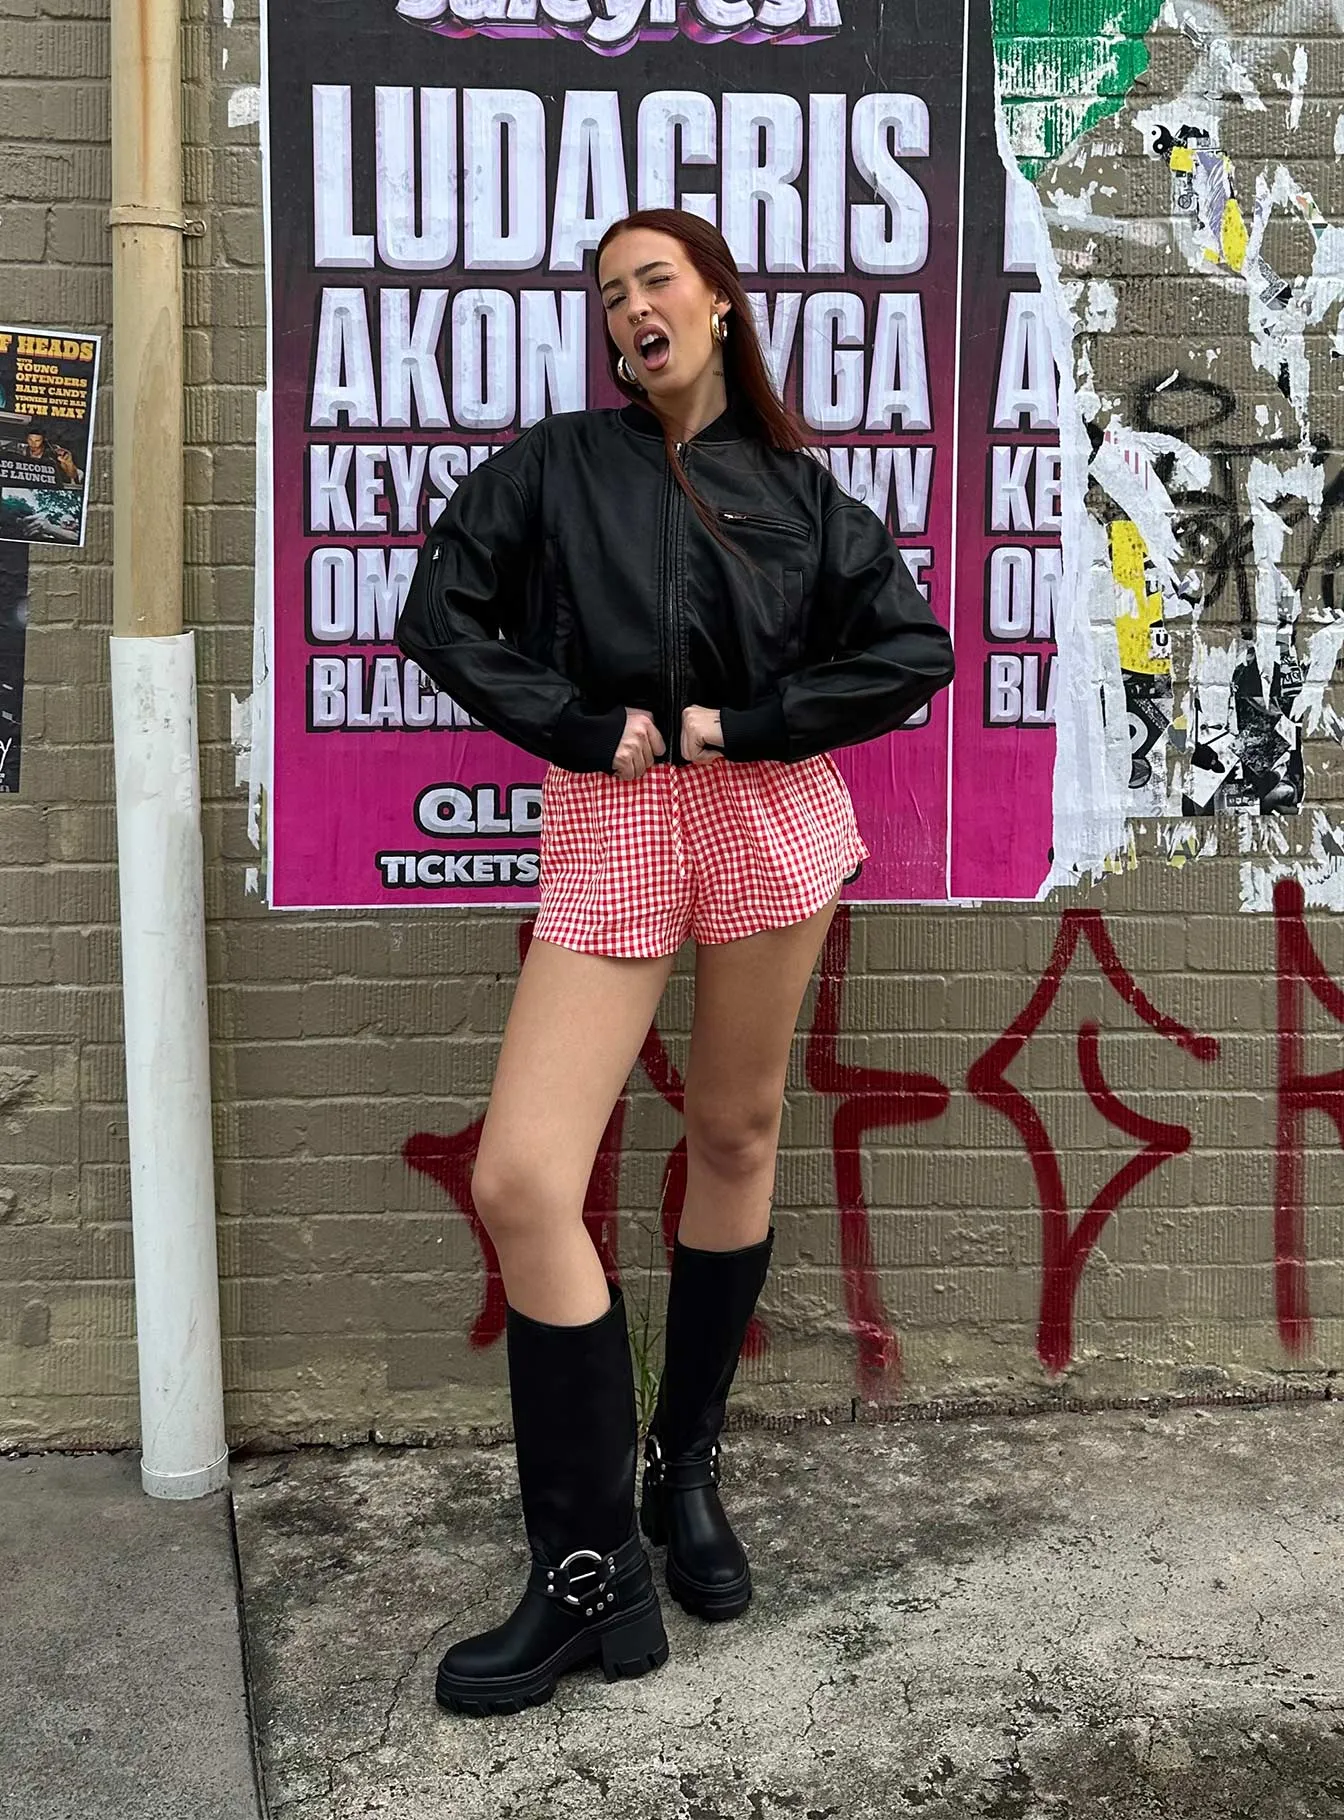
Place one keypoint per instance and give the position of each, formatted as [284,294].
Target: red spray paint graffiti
[1299,965]
[874,1098]
[448,1161]
[870,1098]
[1065,1248]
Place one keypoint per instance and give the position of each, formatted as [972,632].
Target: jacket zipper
[786,526]
[674,616]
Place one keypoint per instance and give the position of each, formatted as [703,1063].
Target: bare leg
[574,1032]
[748,995]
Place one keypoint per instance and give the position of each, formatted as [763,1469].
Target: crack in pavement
[366,1750]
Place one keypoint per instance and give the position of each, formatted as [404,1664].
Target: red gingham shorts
[716,851]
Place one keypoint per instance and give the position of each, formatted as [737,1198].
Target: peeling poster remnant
[1203,507]
[1059,77]
[1205,189]
[1145,653]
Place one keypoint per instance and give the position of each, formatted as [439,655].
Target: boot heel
[653,1518]
[636,1646]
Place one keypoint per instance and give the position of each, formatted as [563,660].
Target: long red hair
[745,374]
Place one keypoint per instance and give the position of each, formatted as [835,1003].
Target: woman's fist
[701,736]
[640,744]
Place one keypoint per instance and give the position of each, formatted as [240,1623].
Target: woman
[676,606]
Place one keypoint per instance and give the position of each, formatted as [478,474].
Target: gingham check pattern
[716,851]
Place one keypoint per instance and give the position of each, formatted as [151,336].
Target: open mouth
[653,349]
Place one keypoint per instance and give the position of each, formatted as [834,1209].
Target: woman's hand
[701,736]
[640,744]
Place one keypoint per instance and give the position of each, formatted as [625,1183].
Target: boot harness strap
[686,1473]
[586,1581]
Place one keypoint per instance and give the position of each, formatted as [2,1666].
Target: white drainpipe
[159,856]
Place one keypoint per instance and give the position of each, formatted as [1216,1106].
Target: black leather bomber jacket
[569,578]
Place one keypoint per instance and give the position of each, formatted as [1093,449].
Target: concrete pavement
[121,1674]
[1045,1618]
[1055,1617]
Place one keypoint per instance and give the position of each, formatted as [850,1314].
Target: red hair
[745,374]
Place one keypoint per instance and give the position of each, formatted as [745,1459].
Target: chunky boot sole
[712,1602]
[628,1645]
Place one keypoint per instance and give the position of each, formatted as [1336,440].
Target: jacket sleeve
[883,652]
[460,617]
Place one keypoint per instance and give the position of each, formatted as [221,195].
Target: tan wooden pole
[147,227]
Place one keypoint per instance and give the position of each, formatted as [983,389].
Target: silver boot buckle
[581,1581]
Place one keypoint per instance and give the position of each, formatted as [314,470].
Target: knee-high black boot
[710,1301]
[590,1594]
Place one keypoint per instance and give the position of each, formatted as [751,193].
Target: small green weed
[646,1344]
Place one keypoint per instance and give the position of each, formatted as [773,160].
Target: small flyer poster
[48,382]
[13,625]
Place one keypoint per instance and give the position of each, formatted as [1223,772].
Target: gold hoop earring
[718,328]
[623,368]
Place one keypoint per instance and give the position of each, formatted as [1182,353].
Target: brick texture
[351,1285]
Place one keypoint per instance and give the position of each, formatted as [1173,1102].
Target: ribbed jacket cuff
[759,732]
[587,742]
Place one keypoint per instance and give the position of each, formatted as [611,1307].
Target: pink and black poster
[439,174]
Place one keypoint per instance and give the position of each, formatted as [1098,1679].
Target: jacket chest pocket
[777,548]
[763,521]
[774,619]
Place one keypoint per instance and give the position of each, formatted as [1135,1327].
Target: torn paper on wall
[1205,555]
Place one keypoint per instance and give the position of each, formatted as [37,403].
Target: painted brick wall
[354,1296]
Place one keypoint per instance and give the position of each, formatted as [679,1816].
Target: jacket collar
[730,425]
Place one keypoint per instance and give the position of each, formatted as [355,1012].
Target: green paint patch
[1063,66]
